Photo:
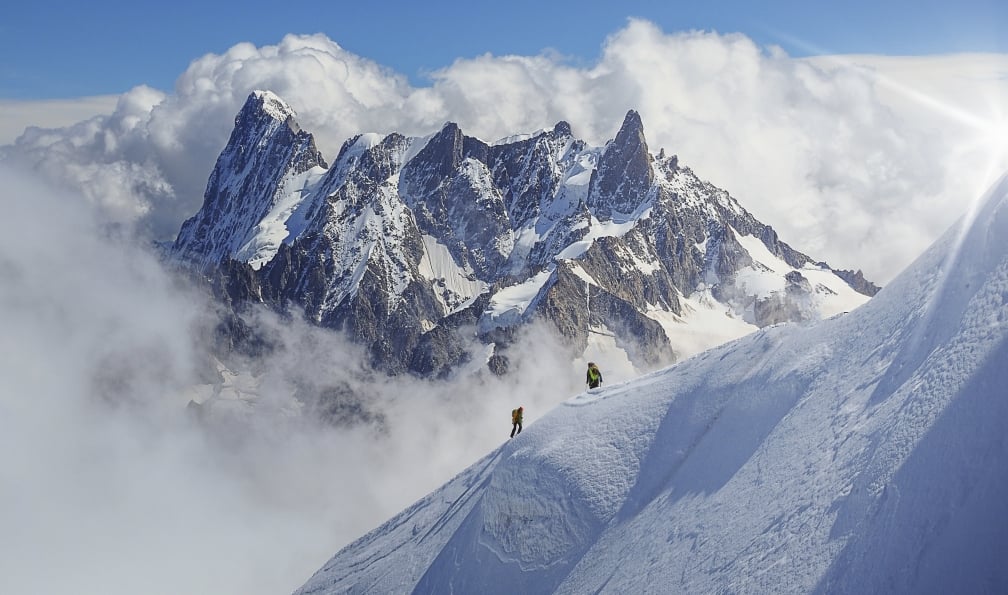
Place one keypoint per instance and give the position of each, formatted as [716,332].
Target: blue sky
[73,49]
[132,103]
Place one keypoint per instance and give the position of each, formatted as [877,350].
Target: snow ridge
[856,455]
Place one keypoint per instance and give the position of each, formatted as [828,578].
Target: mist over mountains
[108,472]
[433,251]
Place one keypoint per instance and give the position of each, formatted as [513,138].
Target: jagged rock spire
[266,147]
[624,175]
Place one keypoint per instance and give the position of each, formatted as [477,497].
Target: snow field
[861,454]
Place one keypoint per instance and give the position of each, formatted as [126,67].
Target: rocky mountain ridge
[422,249]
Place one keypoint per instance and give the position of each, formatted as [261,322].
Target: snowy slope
[861,454]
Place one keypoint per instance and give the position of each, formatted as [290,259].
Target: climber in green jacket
[594,377]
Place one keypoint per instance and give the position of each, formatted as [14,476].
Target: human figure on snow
[516,421]
[594,376]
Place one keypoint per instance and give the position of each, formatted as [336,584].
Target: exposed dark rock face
[623,178]
[856,280]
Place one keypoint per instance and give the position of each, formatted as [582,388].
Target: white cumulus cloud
[841,156]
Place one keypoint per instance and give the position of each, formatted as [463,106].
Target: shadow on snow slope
[860,454]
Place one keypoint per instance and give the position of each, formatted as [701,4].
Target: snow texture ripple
[862,454]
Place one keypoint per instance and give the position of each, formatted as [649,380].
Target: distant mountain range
[424,249]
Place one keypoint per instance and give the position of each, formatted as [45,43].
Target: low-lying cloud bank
[855,160]
[111,484]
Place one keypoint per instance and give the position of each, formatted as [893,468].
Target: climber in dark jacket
[516,421]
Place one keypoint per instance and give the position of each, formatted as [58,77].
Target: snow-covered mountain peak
[428,225]
[271,104]
[261,176]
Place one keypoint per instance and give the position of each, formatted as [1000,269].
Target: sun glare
[984,131]
[982,136]
[994,140]
[987,144]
